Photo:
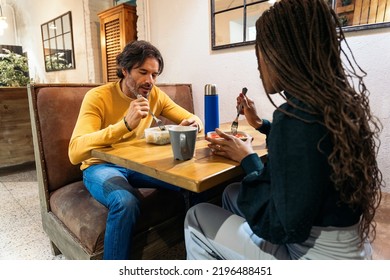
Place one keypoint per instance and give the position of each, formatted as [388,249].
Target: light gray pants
[213,233]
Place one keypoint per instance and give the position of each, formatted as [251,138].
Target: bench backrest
[56,108]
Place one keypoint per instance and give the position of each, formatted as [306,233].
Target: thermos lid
[210,89]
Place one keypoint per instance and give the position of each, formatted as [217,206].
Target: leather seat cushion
[86,218]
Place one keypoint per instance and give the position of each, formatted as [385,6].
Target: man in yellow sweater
[119,112]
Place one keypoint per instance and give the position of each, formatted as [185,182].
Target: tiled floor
[21,233]
[22,236]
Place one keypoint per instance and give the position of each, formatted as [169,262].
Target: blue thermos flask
[211,108]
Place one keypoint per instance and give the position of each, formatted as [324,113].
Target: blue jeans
[116,188]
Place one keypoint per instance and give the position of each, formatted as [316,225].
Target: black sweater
[283,199]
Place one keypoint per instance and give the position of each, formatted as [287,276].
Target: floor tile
[19,234]
[37,249]
[5,195]
[22,236]
[25,193]
[22,173]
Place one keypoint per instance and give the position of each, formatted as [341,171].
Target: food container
[240,134]
[155,135]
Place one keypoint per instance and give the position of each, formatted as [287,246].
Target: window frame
[57,42]
[335,4]
[244,7]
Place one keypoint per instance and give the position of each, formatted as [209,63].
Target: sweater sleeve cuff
[265,127]
[252,163]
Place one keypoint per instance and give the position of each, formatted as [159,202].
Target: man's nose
[149,79]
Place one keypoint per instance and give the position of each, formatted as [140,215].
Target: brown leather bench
[74,221]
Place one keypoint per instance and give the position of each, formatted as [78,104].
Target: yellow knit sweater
[100,122]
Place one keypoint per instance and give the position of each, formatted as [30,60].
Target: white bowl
[240,134]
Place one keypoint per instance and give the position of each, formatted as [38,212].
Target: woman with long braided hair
[316,196]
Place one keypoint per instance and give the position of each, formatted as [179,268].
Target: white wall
[9,36]
[181,30]
[372,51]
[31,14]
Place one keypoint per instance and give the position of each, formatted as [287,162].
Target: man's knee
[118,183]
[123,201]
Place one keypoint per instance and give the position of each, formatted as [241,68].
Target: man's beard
[137,94]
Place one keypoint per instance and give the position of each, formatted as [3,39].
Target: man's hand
[138,109]
[190,122]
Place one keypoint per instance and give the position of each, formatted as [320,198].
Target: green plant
[57,62]
[346,2]
[13,69]
[343,20]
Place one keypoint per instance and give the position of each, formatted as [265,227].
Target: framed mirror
[233,21]
[362,14]
[57,40]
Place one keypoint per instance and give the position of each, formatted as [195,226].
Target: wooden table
[198,174]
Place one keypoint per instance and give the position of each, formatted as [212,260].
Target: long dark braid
[302,43]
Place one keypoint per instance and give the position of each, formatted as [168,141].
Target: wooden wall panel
[16,145]
[118,26]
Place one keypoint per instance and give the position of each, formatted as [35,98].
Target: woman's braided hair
[301,42]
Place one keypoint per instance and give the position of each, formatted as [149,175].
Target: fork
[158,121]
[234,126]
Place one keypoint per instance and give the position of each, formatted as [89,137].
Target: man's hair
[303,44]
[134,55]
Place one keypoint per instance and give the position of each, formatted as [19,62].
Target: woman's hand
[230,146]
[249,110]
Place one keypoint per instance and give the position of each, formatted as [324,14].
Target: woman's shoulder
[295,110]
[296,119]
